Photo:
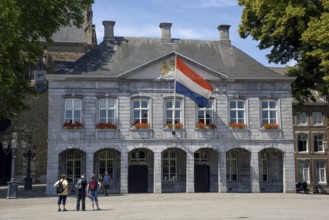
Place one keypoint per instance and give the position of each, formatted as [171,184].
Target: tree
[23,23]
[293,30]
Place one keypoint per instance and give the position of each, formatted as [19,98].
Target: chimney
[224,33]
[108,30]
[165,32]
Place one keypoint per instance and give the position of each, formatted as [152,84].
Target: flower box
[142,125]
[270,126]
[237,125]
[201,125]
[73,125]
[177,125]
[106,126]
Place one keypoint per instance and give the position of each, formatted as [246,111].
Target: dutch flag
[192,85]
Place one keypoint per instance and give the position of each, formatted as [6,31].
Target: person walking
[61,186]
[81,188]
[107,181]
[93,186]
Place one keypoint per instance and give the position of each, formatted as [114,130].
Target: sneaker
[64,210]
[98,209]
[59,210]
[83,209]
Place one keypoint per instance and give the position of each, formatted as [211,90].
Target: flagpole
[174,104]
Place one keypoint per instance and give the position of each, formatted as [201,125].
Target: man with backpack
[93,186]
[81,188]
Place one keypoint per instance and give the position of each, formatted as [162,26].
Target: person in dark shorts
[63,195]
[81,188]
[93,187]
[107,181]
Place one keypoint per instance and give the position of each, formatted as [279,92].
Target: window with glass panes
[107,109]
[73,110]
[301,118]
[141,111]
[320,171]
[73,166]
[317,118]
[303,170]
[169,166]
[237,111]
[170,109]
[106,163]
[318,142]
[138,155]
[232,166]
[263,167]
[269,112]
[302,142]
[206,114]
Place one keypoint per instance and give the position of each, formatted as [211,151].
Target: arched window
[232,166]
[106,163]
[169,166]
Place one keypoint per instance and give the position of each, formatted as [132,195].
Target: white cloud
[218,3]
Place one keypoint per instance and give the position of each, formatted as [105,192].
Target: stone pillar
[124,173]
[222,181]
[157,185]
[89,164]
[254,172]
[289,181]
[52,167]
[189,172]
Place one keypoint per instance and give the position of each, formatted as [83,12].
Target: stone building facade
[113,109]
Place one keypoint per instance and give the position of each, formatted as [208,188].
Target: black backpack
[59,187]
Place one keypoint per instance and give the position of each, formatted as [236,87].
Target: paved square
[178,206]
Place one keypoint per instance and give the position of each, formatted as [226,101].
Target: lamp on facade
[28,154]
[7,148]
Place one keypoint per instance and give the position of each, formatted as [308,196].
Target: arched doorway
[238,170]
[270,170]
[205,170]
[72,162]
[140,171]
[108,160]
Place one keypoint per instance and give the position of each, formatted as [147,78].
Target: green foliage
[292,30]
[22,24]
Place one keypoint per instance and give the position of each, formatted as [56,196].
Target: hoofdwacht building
[112,110]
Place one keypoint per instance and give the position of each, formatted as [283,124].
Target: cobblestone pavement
[176,206]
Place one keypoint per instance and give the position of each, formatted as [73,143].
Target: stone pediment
[163,68]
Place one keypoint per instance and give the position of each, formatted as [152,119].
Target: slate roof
[123,54]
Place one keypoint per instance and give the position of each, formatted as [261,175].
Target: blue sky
[191,19]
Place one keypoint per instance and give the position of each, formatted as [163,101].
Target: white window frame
[140,110]
[320,172]
[317,118]
[263,167]
[178,118]
[206,114]
[74,107]
[232,166]
[269,119]
[318,142]
[304,170]
[108,158]
[301,137]
[110,110]
[234,111]
[169,166]
[301,118]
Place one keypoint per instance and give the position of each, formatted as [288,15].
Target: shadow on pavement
[36,192]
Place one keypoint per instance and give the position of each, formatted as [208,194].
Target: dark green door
[201,178]
[137,179]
